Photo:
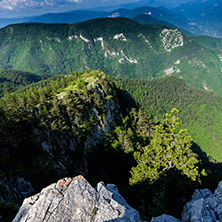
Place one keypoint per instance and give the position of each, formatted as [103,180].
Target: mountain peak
[74,199]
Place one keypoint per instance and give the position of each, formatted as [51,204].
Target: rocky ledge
[74,199]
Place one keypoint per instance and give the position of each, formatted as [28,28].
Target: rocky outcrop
[76,200]
[204,206]
[165,218]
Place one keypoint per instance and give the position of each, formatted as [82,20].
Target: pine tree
[168,149]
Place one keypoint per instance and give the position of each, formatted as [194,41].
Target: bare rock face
[204,206]
[76,200]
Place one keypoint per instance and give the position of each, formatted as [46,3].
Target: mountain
[86,123]
[141,3]
[119,46]
[159,13]
[205,15]
[69,17]
[147,19]
[11,80]
[200,10]
[208,41]
[200,111]
[7,21]
[83,15]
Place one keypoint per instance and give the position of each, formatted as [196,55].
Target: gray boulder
[204,206]
[76,200]
[164,218]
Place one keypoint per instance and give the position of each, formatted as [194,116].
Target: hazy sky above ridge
[18,8]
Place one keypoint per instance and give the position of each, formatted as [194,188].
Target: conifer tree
[168,149]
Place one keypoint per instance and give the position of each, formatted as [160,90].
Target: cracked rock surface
[204,206]
[75,200]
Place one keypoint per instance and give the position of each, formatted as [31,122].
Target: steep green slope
[215,43]
[200,111]
[10,80]
[120,47]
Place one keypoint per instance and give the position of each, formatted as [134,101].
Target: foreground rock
[76,200]
[204,206]
[165,218]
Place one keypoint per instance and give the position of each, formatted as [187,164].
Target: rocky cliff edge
[74,199]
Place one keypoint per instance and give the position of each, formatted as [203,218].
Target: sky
[23,8]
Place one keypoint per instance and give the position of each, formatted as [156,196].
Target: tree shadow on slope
[110,166]
[212,167]
[167,195]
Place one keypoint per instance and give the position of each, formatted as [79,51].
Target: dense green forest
[86,123]
[12,80]
[200,111]
[208,41]
[120,47]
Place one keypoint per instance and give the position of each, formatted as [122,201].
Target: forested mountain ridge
[208,41]
[86,123]
[11,80]
[118,46]
[147,19]
[200,111]
[49,129]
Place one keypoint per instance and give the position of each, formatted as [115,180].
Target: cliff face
[58,134]
[76,200]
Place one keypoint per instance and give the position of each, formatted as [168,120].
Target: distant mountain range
[118,46]
[197,17]
[205,15]
[147,19]
[160,13]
